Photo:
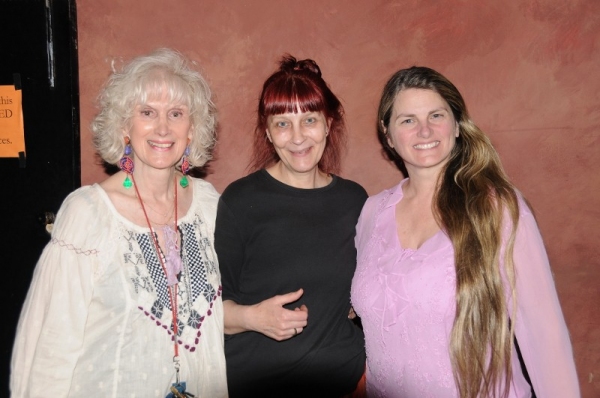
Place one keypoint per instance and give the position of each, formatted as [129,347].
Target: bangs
[161,85]
[293,96]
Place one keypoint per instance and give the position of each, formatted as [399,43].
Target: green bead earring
[185,168]
[126,164]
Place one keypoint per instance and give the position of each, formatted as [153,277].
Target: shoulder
[527,223]
[205,195]
[205,190]
[376,204]
[244,186]
[81,200]
[384,197]
[525,209]
[350,187]
[82,210]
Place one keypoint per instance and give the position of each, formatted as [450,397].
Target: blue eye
[438,115]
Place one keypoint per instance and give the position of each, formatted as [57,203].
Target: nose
[424,130]
[297,135]
[162,125]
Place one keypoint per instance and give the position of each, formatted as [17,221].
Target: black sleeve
[229,246]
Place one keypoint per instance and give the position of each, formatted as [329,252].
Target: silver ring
[295,331]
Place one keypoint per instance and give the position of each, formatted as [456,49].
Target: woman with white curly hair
[126,298]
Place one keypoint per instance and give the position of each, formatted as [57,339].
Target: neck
[158,187]
[312,179]
[421,184]
[166,216]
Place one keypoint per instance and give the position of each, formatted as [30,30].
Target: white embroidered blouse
[97,320]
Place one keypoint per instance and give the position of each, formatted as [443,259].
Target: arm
[51,326]
[364,229]
[539,325]
[267,317]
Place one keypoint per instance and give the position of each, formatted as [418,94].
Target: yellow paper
[12,136]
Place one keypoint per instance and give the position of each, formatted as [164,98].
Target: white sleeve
[50,330]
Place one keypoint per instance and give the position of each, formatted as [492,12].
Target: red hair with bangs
[299,85]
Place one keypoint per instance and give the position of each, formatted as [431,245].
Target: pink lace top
[406,300]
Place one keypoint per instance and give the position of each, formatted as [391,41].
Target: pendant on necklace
[178,388]
[178,391]
[173,257]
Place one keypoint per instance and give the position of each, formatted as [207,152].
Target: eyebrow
[429,113]
[282,115]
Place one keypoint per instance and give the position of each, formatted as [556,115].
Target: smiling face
[159,132]
[299,140]
[422,129]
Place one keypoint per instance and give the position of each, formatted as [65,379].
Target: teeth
[166,145]
[427,146]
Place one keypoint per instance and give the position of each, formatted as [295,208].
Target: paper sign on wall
[12,136]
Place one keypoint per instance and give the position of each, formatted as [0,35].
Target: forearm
[235,317]
[268,317]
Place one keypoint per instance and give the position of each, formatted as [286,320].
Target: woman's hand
[351,314]
[276,322]
[267,317]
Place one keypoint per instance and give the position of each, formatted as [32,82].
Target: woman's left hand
[351,313]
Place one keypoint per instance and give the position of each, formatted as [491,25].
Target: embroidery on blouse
[141,281]
[389,301]
[196,295]
[77,250]
[374,237]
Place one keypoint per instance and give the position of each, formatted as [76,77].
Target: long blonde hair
[473,195]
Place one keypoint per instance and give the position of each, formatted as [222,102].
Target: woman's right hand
[268,317]
[276,322]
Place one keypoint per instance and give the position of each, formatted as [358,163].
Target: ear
[384,129]
[269,136]
[190,134]
[457,130]
[126,137]
[328,126]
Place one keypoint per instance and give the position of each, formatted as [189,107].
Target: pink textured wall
[528,70]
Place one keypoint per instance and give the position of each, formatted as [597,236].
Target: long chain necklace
[164,216]
[178,388]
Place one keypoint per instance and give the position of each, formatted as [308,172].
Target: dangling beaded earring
[185,168]
[126,164]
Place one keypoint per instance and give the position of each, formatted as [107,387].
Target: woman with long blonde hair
[452,269]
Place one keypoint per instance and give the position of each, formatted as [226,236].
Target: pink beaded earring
[126,164]
[185,168]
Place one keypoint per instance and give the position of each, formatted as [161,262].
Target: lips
[427,146]
[160,145]
[302,152]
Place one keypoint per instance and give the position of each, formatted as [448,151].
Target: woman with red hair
[285,242]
